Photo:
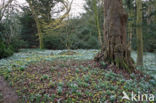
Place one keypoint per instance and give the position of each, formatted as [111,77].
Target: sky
[77,7]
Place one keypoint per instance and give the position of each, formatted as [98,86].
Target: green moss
[120,63]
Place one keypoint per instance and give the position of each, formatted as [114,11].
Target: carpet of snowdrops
[88,85]
[27,56]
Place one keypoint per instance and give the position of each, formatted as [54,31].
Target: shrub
[5,50]
[18,43]
[53,42]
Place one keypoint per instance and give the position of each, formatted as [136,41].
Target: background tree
[96,7]
[10,24]
[130,8]
[78,32]
[139,33]
[95,3]
[41,11]
[36,18]
[149,25]
[3,7]
[9,28]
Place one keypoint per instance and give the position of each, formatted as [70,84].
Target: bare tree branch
[57,23]
[3,7]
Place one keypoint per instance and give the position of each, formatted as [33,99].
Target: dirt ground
[7,94]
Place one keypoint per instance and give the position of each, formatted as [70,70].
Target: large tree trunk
[139,33]
[115,47]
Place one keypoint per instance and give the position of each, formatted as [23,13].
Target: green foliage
[74,87]
[28,30]
[9,30]
[53,41]
[83,84]
[77,70]
[22,68]
[4,50]
[44,77]
[7,50]
[59,90]
[85,35]
[149,33]
[17,43]
[81,36]
[52,84]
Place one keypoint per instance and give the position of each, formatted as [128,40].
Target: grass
[38,76]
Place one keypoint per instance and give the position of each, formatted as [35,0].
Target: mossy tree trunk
[38,25]
[97,21]
[139,33]
[115,47]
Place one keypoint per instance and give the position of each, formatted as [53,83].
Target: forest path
[7,94]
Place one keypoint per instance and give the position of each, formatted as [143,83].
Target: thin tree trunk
[97,22]
[130,28]
[115,47]
[139,33]
[155,11]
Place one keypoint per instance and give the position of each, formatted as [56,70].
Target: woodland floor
[47,76]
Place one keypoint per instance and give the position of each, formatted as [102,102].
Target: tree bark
[115,47]
[139,33]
